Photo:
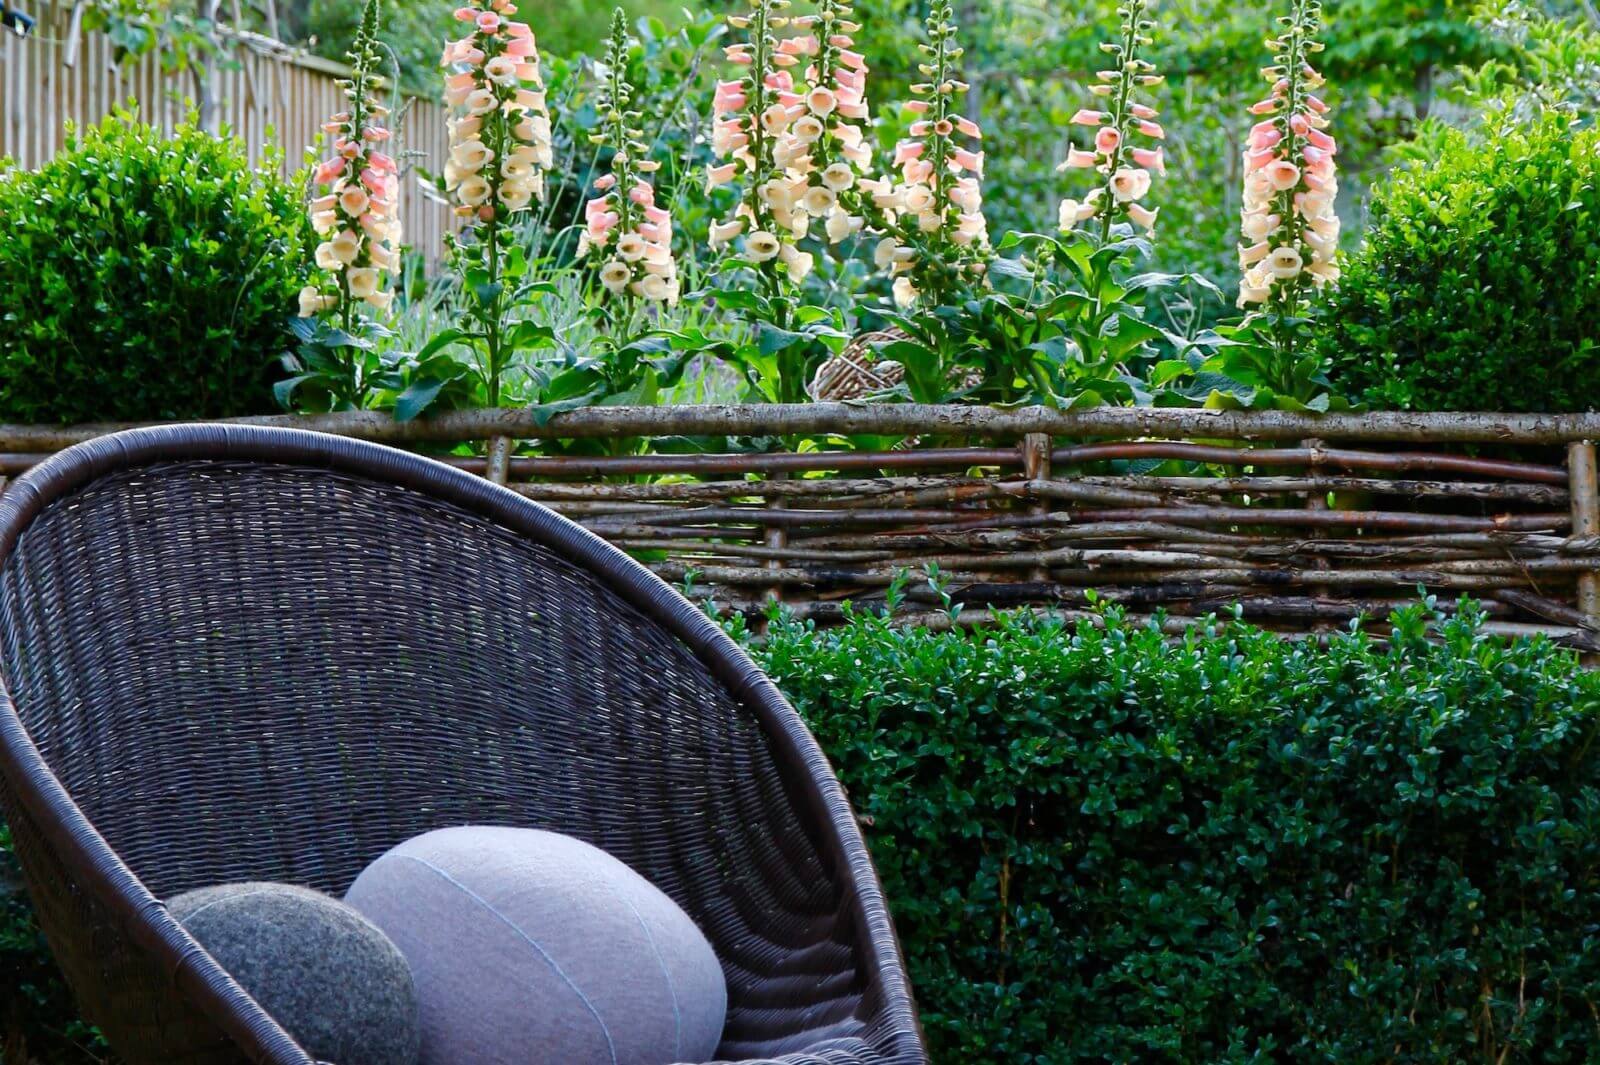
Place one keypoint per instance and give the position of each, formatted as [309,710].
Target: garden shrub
[1103,845]
[1478,285]
[1100,846]
[37,1019]
[145,277]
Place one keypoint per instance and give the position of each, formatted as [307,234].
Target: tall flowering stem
[829,144]
[1124,165]
[499,153]
[942,241]
[752,133]
[1291,231]
[356,211]
[625,230]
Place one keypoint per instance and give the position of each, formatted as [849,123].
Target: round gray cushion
[324,972]
[531,947]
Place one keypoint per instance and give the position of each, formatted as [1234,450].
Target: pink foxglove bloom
[833,106]
[1290,228]
[939,240]
[772,135]
[500,147]
[1123,163]
[356,209]
[626,233]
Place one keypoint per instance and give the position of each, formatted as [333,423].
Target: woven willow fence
[1301,521]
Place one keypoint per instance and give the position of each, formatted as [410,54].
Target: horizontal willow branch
[845,419]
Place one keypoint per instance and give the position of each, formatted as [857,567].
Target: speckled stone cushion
[324,972]
[531,947]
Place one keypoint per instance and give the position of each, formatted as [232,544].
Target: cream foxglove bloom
[624,221]
[357,195]
[794,146]
[1289,225]
[500,136]
[1123,165]
[938,204]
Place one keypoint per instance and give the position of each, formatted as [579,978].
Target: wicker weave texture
[270,655]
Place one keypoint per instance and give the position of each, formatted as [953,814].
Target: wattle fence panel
[1299,522]
[268,95]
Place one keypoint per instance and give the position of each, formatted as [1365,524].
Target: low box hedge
[1103,844]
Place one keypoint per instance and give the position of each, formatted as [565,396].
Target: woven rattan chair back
[261,654]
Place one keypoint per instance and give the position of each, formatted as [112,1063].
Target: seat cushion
[326,974]
[530,947]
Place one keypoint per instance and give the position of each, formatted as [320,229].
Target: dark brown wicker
[262,654]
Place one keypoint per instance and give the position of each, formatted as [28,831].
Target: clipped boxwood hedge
[1105,846]
[146,277]
[1478,284]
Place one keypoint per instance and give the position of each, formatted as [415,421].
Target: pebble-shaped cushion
[324,972]
[530,947]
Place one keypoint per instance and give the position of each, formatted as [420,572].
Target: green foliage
[1063,325]
[1479,283]
[37,1018]
[417,28]
[1544,62]
[1101,844]
[144,277]
[176,30]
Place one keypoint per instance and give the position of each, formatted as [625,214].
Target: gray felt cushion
[325,973]
[530,947]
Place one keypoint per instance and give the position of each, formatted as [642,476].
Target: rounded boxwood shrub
[1478,286]
[1102,845]
[145,277]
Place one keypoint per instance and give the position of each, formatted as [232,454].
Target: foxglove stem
[356,209]
[1124,168]
[500,149]
[625,219]
[752,132]
[940,242]
[1289,223]
[829,144]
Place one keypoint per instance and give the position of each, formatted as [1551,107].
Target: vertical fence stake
[1035,448]
[1585,488]
[498,468]
[777,538]
[1318,501]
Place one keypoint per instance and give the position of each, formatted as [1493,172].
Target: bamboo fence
[1301,522]
[269,95]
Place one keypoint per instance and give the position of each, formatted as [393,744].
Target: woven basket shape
[856,371]
[264,654]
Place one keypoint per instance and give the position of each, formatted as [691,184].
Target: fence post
[498,468]
[1035,448]
[1585,490]
[1318,500]
[777,538]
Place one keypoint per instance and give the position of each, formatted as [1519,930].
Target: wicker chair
[259,654]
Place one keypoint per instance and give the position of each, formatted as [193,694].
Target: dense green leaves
[1479,283]
[1102,845]
[144,277]
[37,1021]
